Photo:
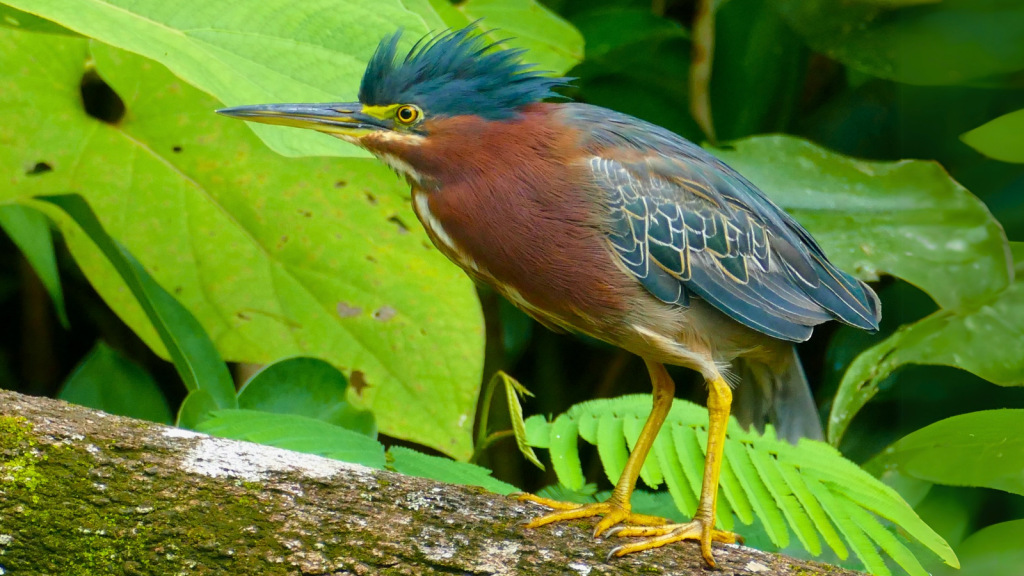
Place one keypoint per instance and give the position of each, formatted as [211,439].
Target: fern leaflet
[808,488]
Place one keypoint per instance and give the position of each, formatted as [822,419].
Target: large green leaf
[553,44]
[986,340]
[30,232]
[285,51]
[197,361]
[249,52]
[275,257]
[107,381]
[907,218]
[1002,138]
[14,18]
[983,448]
[948,42]
[995,550]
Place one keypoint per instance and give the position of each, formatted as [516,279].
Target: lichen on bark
[83,493]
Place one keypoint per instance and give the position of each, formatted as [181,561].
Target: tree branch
[83,492]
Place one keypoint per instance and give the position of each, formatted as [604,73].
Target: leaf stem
[487,442]
[485,412]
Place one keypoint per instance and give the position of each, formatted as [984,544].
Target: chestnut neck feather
[513,195]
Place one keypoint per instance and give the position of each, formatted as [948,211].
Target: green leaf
[962,339]
[650,472]
[585,495]
[191,350]
[565,456]
[683,496]
[513,390]
[107,381]
[758,72]
[553,44]
[1002,138]
[275,257]
[30,232]
[808,487]
[948,42]
[610,29]
[307,387]
[975,449]
[885,539]
[637,63]
[769,471]
[14,18]
[412,463]
[992,551]
[537,431]
[907,218]
[197,407]
[249,52]
[297,433]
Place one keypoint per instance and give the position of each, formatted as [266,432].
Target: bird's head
[404,100]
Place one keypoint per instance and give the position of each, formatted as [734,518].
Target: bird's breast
[534,243]
[438,235]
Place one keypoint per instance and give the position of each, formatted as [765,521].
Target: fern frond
[760,498]
[611,446]
[683,495]
[809,488]
[565,455]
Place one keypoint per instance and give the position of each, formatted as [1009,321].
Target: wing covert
[682,228]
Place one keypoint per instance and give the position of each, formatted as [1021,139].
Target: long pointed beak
[342,119]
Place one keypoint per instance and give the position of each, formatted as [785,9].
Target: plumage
[672,202]
[453,74]
[597,222]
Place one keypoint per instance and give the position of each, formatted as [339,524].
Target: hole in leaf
[39,168]
[176,149]
[358,382]
[402,228]
[100,100]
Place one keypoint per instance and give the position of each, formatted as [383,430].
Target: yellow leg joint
[702,527]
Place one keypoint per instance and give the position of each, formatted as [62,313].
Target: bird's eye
[407,114]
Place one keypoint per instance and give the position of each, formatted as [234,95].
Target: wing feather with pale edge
[684,223]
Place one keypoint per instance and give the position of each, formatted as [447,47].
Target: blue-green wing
[687,225]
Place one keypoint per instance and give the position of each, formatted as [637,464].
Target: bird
[595,222]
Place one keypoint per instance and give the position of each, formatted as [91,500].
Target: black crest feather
[455,73]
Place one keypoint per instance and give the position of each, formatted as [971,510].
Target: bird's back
[687,225]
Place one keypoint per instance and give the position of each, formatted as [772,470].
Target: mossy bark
[83,493]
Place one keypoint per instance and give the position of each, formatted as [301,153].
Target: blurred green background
[880,80]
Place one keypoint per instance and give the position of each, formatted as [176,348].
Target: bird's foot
[613,513]
[701,529]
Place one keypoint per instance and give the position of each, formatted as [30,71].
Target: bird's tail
[778,394]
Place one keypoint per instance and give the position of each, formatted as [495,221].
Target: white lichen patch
[220,458]
[500,558]
[181,433]
[580,567]
[432,544]
[756,567]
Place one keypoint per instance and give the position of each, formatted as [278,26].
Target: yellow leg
[616,509]
[702,527]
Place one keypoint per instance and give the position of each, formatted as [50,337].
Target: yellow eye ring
[407,114]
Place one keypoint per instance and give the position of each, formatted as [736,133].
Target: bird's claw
[612,512]
[657,536]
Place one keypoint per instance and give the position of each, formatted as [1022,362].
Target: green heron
[596,222]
